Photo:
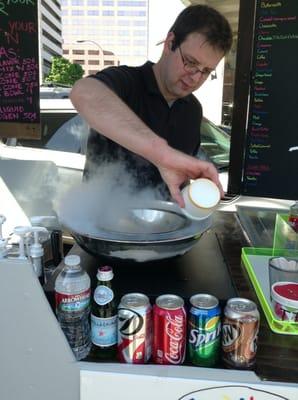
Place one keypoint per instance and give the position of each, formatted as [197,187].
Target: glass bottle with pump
[104,316]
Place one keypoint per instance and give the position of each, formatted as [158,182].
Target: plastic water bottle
[72,293]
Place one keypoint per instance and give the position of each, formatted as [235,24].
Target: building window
[108,2]
[139,23]
[92,3]
[81,62]
[77,12]
[78,52]
[132,3]
[93,62]
[108,13]
[123,32]
[93,52]
[65,51]
[92,12]
[77,2]
[92,71]
[123,22]
[139,43]
[130,13]
[108,62]
[139,33]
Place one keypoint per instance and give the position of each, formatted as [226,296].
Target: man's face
[186,68]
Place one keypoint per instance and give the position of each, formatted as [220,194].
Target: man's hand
[177,168]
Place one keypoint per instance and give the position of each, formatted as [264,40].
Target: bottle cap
[105,273]
[72,260]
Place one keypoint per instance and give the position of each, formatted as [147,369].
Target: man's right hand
[177,168]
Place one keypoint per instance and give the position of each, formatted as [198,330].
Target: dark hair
[206,20]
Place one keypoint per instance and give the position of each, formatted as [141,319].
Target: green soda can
[204,329]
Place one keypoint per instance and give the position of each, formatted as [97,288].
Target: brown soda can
[239,333]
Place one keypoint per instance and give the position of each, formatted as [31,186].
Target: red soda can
[134,329]
[169,324]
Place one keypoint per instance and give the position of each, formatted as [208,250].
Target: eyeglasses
[192,68]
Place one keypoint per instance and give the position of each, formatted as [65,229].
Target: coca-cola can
[169,324]
[239,333]
[134,329]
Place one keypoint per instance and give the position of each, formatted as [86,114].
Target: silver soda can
[239,333]
[134,329]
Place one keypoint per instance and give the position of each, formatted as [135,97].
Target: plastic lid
[72,260]
[204,193]
[285,293]
[105,273]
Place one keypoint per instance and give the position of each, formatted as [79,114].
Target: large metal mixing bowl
[154,232]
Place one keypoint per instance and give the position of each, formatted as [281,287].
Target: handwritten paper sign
[19,70]
[271,160]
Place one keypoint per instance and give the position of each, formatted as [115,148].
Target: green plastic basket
[255,261]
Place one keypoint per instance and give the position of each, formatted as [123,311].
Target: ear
[168,44]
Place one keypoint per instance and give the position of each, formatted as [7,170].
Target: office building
[90,55]
[50,34]
[109,26]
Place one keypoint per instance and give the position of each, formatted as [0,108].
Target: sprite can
[204,330]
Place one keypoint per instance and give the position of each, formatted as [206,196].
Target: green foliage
[64,72]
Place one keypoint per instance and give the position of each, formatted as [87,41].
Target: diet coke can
[239,333]
[134,329]
[169,323]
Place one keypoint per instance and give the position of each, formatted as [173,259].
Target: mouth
[185,86]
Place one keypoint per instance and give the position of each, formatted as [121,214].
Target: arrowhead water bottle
[72,293]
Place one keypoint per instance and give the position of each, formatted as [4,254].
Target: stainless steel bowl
[153,232]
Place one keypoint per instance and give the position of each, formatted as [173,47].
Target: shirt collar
[151,83]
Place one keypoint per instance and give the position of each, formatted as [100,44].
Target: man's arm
[106,113]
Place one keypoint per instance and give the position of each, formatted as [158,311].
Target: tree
[64,72]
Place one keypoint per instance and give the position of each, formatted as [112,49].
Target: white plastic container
[201,198]
[285,300]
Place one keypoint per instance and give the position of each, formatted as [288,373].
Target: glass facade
[100,20]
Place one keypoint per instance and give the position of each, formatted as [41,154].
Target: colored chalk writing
[270,168]
[19,69]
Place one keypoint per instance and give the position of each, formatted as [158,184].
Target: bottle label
[104,331]
[103,295]
[72,302]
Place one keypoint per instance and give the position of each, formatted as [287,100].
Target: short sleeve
[119,79]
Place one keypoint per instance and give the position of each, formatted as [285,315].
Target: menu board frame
[263,127]
[19,70]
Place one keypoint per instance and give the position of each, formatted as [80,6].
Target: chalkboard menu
[271,155]
[19,71]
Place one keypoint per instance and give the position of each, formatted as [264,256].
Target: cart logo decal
[232,392]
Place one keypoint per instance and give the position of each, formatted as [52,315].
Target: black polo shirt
[178,123]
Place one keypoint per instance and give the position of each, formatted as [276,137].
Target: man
[147,116]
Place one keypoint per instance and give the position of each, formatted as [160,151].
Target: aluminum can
[134,329]
[169,323]
[204,328]
[239,333]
